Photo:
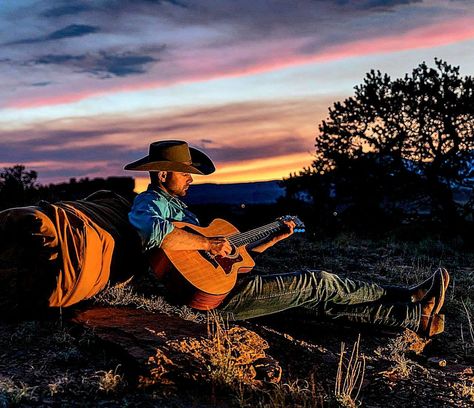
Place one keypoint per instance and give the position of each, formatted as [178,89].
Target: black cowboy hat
[173,155]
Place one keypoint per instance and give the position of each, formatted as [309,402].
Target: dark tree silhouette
[17,186]
[411,137]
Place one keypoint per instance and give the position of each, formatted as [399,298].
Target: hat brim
[201,164]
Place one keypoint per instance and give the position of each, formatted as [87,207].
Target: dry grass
[350,375]
[395,352]
[227,359]
[467,340]
[25,332]
[467,391]
[297,393]
[110,381]
[42,362]
[228,353]
[465,388]
[68,371]
[123,294]
[402,369]
[59,385]
[230,369]
[223,367]
[15,393]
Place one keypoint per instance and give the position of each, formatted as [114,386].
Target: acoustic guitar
[201,280]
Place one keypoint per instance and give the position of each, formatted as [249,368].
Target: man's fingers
[226,248]
[291,226]
[220,246]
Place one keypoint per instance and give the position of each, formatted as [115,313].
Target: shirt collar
[167,196]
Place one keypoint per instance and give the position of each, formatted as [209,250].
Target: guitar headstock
[299,225]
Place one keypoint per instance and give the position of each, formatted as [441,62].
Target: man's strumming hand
[219,246]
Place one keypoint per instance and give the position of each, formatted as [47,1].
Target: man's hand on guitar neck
[276,238]
[219,246]
[285,233]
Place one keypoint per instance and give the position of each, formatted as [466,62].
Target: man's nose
[190,179]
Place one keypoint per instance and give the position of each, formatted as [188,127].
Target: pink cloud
[203,65]
[437,35]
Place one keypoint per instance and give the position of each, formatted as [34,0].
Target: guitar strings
[240,239]
[256,234]
[264,229]
[245,238]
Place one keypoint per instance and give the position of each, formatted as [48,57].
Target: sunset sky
[87,85]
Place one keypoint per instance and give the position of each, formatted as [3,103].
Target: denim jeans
[321,293]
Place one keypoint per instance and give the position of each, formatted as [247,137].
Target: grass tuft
[59,385]
[349,377]
[110,381]
[16,393]
[298,393]
[467,340]
[466,390]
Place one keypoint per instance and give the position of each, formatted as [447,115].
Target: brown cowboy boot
[431,322]
[394,294]
[414,293]
[419,291]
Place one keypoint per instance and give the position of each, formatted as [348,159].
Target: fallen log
[165,349]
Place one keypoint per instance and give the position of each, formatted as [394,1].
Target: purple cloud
[73,30]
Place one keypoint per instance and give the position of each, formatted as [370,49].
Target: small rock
[436,361]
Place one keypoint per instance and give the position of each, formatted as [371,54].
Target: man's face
[177,183]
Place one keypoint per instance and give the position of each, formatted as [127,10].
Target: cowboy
[171,163]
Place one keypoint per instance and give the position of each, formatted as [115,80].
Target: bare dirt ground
[55,362]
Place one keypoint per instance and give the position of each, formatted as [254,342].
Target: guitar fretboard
[245,238]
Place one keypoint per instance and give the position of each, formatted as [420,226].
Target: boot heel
[436,325]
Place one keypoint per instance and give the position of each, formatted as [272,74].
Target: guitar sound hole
[234,252]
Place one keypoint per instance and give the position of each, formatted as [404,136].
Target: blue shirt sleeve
[150,215]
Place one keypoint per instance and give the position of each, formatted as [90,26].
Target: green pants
[320,293]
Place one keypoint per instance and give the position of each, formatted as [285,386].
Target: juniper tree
[395,132]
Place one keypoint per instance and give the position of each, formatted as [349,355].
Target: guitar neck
[254,235]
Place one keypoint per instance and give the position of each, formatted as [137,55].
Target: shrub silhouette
[396,148]
[17,186]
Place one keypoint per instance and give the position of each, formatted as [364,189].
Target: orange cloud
[273,168]
[248,141]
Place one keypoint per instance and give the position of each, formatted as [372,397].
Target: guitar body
[195,277]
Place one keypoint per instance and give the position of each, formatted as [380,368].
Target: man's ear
[162,176]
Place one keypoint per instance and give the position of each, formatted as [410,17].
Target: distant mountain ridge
[263,192]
